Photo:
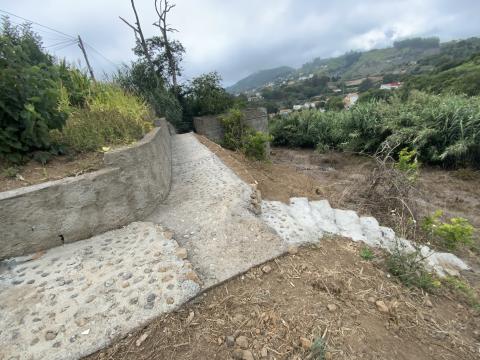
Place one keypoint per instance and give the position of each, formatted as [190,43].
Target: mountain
[260,78]
[416,55]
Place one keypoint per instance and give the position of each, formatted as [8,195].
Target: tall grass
[110,116]
[443,129]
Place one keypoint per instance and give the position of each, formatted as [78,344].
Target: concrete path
[208,209]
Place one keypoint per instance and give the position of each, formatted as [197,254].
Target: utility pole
[80,45]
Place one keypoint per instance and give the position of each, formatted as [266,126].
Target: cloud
[237,38]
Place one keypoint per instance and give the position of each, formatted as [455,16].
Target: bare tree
[163,7]
[137,29]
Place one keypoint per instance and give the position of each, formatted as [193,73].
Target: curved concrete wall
[135,179]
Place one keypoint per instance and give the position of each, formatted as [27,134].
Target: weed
[366,253]
[10,172]
[451,233]
[409,269]
[464,289]
[408,164]
[318,350]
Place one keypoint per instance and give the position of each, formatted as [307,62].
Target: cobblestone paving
[208,209]
[74,299]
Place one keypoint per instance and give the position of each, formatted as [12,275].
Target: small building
[349,100]
[284,112]
[297,107]
[391,86]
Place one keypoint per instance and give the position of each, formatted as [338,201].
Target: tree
[366,85]
[335,103]
[173,49]
[207,96]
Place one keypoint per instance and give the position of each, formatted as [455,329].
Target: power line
[99,53]
[36,23]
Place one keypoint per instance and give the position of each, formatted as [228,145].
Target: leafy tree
[207,96]
[334,103]
[365,85]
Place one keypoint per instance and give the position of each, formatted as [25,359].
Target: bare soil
[57,168]
[325,294]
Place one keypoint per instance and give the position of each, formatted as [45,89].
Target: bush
[408,164]
[110,117]
[456,231]
[255,145]
[29,94]
[238,136]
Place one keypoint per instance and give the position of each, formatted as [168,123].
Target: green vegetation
[47,107]
[442,129]
[318,350]
[366,253]
[409,269]
[452,233]
[29,93]
[418,43]
[408,164]
[463,78]
[238,136]
[109,117]
[464,289]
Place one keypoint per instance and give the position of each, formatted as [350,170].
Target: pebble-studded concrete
[74,299]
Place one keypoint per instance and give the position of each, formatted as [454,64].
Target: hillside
[416,55]
[260,78]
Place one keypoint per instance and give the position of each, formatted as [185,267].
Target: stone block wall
[132,183]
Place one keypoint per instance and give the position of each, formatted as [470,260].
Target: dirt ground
[322,302]
[58,168]
[324,295]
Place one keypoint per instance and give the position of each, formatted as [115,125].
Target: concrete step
[301,212]
[349,225]
[324,216]
[277,215]
[72,300]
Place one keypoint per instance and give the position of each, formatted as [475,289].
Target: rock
[220,341]
[141,339]
[192,276]
[264,352]
[332,307]
[125,284]
[127,276]
[381,306]
[81,322]
[266,269]
[428,303]
[50,335]
[371,299]
[181,253]
[292,250]
[230,340]
[170,301]
[242,341]
[239,354]
[305,343]
[168,234]
[328,355]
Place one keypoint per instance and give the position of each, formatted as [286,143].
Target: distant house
[391,86]
[284,112]
[297,107]
[349,100]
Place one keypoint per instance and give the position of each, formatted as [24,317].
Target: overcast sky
[238,37]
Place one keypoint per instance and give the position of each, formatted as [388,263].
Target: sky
[239,37]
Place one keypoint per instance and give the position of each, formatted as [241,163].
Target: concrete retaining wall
[135,179]
[211,127]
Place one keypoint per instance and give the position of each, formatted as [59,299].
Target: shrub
[29,94]
[256,144]
[238,136]
[408,164]
[456,231]
[409,269]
